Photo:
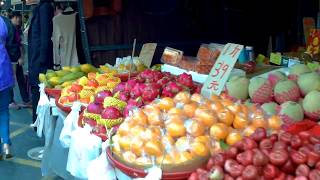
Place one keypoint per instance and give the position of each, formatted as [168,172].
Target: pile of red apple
[258,157]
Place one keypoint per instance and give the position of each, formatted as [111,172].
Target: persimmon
[219,131]
[259,122]
[196,128]
[240,122]
[205,115]
[176,129]
[129,157]
[189,109]
[151,109]
[215,98]
[125,143]
[166,103]
[176,111]
[137,130]
[217,106]
[274,122]
[196,98]
[184,157]
[182,97]
[233,137]
[199,149]
[124,129]
[139,117]
[137,146]
[153,148]
[249,130]
[226,116]
[155,119]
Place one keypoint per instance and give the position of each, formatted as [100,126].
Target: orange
[176,111]
[153,148]
[199,149]
[137,130]
[167,140]
[226,116]
[185,156]
[216,106]
[189,109]
[215,97]
[274,122]
[259,122]
[152,109]
[166,159]
[129,157]
[139,117]
[196,98]
[124,129]
[245,110]
[202,139]
[125,143]
[175,118]
[233,137]
[166,103]
[205,115]
[196,129]
[137,146]
[155,119]
[249,130]
[219,131]
[153,133]
[227,102]
[240,122]
[176,129]
[182,97]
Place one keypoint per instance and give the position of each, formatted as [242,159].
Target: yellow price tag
[275,58]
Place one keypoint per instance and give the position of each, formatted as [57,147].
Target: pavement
[23,139]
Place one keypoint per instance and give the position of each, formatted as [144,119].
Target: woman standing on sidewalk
[8,48]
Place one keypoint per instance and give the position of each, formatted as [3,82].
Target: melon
[291,112]
[237,88]
[275,77]
[286,90]
[308,82]
[270,108]
[311,105]
[260,90]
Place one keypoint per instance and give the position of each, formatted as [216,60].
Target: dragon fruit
[120,87]
[111,113]
[270,108]
[137,90]
[309,82]
[286,90]
[237,88]
[132,82]
[275,77]
[297,70]
[311,105]
[94,108]
[124,96]
[260,90]
[101,95]
[290,112]
[89,121]
[163,81]
[185,79]
[151,92]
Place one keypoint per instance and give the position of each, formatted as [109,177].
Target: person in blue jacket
[40,48]
[9,53]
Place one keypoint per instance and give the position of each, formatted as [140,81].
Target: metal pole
[84,35]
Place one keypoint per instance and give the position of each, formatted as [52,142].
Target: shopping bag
[100,168]
[70,124]
[43,111]
[84,148]
[154,173]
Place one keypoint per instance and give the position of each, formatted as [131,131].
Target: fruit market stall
[149,121]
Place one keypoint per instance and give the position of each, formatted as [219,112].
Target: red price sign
[221,70]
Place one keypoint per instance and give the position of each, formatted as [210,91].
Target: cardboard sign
[313,42]
[221,70]
[275,58]
[147,52]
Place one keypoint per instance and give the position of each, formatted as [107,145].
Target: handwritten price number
[233,52]
[214,85]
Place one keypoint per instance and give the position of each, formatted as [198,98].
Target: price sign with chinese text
[221,70]
[147,52]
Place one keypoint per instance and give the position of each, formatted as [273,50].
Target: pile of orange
[179,129]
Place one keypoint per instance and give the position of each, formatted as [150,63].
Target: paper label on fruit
[221,70]
[147,52]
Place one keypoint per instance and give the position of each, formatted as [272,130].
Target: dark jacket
[40,52]
[12,45]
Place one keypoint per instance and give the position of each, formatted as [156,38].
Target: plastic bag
[84,148]
[100,168]
[43,111]
[154,173]
[70,124]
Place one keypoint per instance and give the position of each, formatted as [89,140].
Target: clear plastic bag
[70,124]
[84,147]
[100,169]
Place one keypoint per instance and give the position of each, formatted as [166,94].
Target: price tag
[275,58]
[147,52]
[221,70]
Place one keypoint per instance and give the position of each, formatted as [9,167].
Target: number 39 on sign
[221,70]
